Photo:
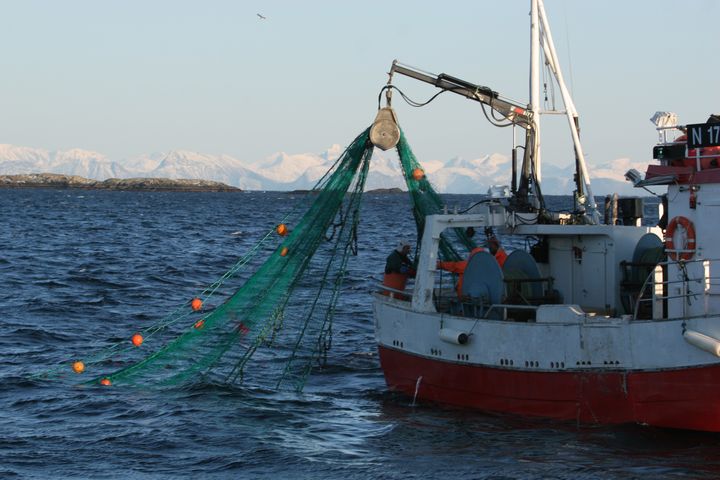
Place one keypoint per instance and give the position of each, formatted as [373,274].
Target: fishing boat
[600,320]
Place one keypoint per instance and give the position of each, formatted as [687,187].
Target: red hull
[688,398]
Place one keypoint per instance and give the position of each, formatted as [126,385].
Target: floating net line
[287,304]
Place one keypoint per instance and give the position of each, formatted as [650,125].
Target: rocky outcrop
[386,190]
[53,180]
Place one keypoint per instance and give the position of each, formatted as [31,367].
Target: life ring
[688,249]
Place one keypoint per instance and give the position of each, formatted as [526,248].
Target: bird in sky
[261,17]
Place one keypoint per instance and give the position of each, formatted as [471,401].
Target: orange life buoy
[688,250]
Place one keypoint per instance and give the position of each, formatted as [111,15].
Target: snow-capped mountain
[460,175]
[85,164]
[183,164]
[284,171]
[15,159]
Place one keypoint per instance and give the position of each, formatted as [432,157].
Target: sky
[129,77]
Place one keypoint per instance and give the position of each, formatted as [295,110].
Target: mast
[585,200]
[528,196]
[535,83]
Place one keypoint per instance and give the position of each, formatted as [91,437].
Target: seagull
[261,17]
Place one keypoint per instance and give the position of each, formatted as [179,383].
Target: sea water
[81,268]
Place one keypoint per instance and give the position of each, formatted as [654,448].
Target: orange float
[137,339]
[199,324]
[78,367]
[105,382]
[196,304]
[283,251]
[418,174]
[689,247]
[282,230]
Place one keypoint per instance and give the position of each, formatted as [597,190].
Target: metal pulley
[385,132]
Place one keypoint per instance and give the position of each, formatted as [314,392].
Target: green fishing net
[280,319]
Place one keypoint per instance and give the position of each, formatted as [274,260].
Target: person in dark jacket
[399,261]
[398,267]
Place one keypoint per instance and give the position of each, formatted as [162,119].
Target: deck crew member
[398,268]
[493,245]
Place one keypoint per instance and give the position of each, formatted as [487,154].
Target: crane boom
[385,132]
[517,114]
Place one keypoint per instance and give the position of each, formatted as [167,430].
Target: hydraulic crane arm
[385,132]
[517,114]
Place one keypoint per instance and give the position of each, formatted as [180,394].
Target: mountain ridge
[283,171]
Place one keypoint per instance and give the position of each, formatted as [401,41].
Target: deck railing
[695,284]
